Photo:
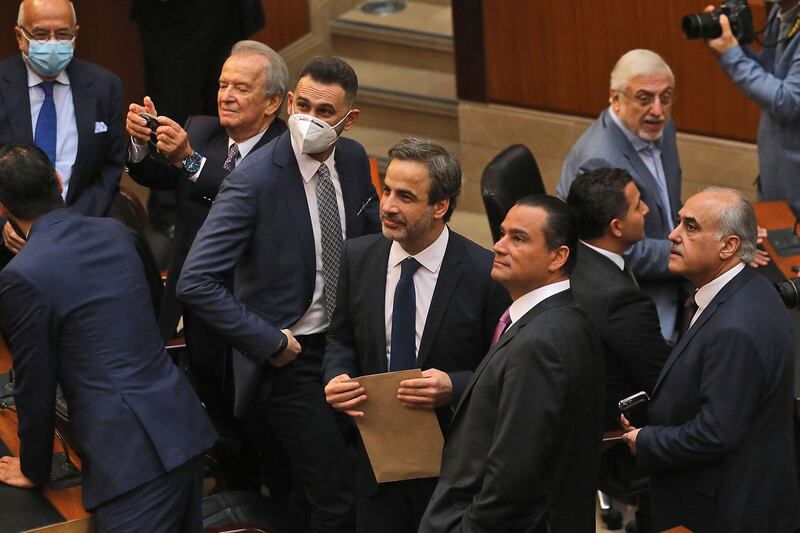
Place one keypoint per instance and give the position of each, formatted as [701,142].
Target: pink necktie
[502,324]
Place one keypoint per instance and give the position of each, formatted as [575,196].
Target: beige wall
[486,129]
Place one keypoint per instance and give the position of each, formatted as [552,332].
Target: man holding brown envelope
[420,296]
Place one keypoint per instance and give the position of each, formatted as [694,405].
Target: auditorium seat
[235,511]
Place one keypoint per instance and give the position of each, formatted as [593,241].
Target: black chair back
[511,175]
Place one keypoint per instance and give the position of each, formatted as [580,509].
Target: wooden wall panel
[286,22]
[557,56]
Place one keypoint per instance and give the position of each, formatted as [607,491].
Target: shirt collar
[707,292]
[34,79]
[528,301]
[431,257]
[246,146]
[638,143]
[308,165]
[615,258]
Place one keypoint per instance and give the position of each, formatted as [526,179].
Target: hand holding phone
[153,124]
[634,408]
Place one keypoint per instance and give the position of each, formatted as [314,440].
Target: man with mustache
[720,440]
[636,133]
[418,296]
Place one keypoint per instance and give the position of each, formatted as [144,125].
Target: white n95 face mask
[311,134]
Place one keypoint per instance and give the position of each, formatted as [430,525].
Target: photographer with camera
[771,79]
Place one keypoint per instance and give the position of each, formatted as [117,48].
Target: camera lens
[701,26]
[789,292]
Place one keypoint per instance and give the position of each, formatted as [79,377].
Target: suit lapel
[350,193]
[18,104]
[446,284]
[732,286]
[561,298]
[83,98]
[630,153]
[374,278]
[291,183]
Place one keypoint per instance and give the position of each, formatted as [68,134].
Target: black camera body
[789,291]
[706,25]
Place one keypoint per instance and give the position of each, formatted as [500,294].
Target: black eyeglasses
[43,35]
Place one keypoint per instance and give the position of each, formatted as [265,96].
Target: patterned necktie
[46,124]
[502,325]
[330,226]
[404,319]
[690,307]
[233,155]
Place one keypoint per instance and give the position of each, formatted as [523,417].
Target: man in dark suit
[610,215]
[253,85]
[280,220]
[636,133]
[720,443]
[523,448]
[140,428]
[70,108]
[446,331]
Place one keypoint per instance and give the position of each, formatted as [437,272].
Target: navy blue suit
[721,442]
[76,309]
[260,225]
[97,96]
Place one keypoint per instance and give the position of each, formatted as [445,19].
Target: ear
[21,42]
[351,119]
[273,105]
[613,99]
[558,259]
[60,182]
[440,208]
[289,102]
[730,245]
[615,227]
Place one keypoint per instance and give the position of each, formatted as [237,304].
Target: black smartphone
[634,408]
[153,124]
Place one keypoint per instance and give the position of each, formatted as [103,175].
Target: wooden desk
[66,501]
[777,215]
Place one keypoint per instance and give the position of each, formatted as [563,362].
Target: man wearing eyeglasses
[71,109]
[636,133]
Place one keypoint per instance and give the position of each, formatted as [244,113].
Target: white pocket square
[100,127]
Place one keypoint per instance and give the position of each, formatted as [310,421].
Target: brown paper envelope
[402,443]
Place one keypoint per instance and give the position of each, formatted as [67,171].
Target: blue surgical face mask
[49,58]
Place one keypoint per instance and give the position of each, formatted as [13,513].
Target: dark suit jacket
[193,200]
[76,309]
[523,449]
[260,226]
[721,443]
[464,311]
[604,145]
[97,95]
[626,321]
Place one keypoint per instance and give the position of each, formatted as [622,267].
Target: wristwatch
[191,163]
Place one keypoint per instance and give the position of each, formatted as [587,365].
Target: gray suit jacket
[604,145]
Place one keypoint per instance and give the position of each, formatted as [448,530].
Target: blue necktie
[404,318]
[45,136]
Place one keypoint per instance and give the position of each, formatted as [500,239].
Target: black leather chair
[242,511]
[511,175]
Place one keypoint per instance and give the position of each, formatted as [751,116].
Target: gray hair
[278,72]
[443,168]
[21,13]
[638,62]
[738,219]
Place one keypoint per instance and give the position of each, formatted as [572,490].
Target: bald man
[71,109]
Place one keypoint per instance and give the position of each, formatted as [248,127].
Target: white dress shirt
[316,319]
[424,284]
[66,127]
[615,258]
[528,301]
[707,292]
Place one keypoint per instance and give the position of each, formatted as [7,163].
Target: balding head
[39,21]
[32,10]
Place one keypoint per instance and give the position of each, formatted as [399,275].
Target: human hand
[433,389]
[289,354]
[343,394]
[136,125]
[11,238]
[630,433]
[724,42]
[11,473]
[173,141]
[762,257]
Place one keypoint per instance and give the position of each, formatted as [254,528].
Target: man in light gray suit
[636,133]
